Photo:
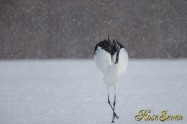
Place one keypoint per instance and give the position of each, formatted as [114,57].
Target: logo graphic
[145,115]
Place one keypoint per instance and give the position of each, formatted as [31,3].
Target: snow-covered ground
[72,92]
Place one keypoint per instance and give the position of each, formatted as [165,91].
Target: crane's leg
[113,109]
[114,114]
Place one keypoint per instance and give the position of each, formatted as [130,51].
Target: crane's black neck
[117,58]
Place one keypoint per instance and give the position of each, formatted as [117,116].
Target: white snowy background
[72,91]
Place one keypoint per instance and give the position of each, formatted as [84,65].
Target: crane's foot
[115,115]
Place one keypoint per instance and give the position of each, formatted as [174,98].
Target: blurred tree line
[71,28]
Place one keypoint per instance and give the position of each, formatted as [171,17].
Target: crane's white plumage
[123,60]
[106,64]
[102,59]
[114,71]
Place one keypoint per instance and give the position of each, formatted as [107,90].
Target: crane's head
[116,46]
